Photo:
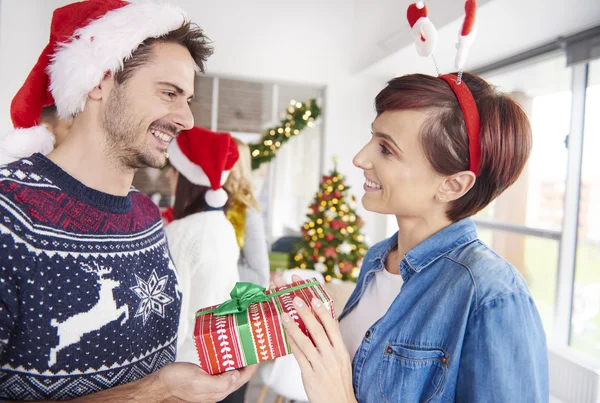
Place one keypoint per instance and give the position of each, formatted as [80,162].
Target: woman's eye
[384,150]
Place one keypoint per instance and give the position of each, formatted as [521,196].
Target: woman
[201,239]
[436,315]
[244,214]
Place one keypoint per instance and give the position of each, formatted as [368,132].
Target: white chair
[283,375]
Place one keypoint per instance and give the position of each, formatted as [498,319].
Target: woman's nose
[361,161]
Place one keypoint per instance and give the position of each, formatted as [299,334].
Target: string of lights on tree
[297,117]
[332,243]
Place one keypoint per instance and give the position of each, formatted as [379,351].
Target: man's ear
[102,90]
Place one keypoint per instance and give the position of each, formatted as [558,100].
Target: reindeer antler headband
[425,37]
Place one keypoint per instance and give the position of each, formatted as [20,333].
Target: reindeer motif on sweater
[104,312]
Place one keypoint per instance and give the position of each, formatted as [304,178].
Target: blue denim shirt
[463,328]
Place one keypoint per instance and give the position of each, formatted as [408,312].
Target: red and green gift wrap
[248,328]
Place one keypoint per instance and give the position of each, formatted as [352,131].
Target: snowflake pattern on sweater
[89,296]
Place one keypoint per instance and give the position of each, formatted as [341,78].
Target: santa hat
[88,39]
[421,28]
[205,158]
[467,34]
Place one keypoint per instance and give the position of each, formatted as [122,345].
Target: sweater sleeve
[10,256]
[254,265]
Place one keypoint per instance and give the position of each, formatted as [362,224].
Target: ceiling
[505,28]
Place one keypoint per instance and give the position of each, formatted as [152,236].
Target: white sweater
[205,251]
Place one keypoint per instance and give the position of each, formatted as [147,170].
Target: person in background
[436,315]
[201,239]
[55,125]
[245,215]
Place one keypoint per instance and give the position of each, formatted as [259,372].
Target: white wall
[23,36]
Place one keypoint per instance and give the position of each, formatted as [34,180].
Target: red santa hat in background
[88,39]
[205,158]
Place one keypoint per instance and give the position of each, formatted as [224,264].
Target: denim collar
[428,251]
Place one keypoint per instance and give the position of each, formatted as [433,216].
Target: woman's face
[398,177]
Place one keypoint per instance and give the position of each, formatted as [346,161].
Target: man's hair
[188,35]
[505,134]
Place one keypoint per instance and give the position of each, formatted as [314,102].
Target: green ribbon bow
[242,295]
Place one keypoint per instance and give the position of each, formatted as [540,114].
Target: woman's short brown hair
[505,134]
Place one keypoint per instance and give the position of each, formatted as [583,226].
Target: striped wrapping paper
[228,342]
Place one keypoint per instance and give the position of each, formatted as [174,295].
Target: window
[201,104]
[244,106]
[585,320]
[548,223]
[524,224]
[539,259]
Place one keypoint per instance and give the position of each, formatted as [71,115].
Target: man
[89,299]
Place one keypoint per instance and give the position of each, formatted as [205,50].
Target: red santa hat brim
[102,46]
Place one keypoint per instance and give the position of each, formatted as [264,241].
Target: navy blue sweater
[89,297]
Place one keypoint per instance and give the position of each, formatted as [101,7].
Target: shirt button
[368,334]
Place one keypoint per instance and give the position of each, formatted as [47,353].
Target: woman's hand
[326,368]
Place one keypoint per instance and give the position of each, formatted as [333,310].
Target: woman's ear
[455,186]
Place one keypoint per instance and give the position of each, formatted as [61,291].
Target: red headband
[471,115]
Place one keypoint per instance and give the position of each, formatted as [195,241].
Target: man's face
[146,112]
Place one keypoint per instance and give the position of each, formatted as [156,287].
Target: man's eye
[169,94]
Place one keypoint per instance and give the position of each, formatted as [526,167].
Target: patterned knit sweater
[89,297]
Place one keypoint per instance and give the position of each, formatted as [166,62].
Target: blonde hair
[239,182]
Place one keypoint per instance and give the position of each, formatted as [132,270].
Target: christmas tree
[332,244]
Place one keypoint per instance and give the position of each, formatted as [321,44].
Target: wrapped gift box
[248,328]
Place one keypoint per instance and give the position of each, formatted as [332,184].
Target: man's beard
[123,133]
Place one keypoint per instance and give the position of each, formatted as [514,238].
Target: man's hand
[176,383]
[185,382]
